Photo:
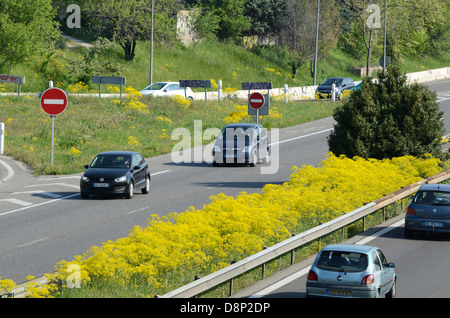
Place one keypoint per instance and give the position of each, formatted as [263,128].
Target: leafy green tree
[129,21]
[388,119]
[26,28]
[268,16]
[231,15]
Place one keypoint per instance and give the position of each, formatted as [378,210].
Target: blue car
[342,84]
[351,271]
[429,210]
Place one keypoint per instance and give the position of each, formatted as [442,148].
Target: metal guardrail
[228,273]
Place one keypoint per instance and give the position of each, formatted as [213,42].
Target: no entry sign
[53,101]
[256,100]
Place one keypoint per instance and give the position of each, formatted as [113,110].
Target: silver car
[429,210]
[359,271]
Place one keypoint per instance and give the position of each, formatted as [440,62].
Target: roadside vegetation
[172,250]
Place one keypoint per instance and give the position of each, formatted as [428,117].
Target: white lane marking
[9,169]
[58,178]
[54,184]
[381,232]
[305,270]
[32,242]
[48,194]
[38,204]
[17,201]
[131,212]
[300,137]
[160,172]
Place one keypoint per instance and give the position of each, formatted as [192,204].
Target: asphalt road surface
[43,220]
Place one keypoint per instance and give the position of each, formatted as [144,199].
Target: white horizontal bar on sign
[54,101]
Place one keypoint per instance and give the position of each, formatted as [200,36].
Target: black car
[341,84]
[116,172]
[241,144]
[429,210]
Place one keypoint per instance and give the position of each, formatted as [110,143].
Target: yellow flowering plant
[172,249]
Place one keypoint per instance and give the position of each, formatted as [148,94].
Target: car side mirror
[136,168]
[391,265]
[86,166]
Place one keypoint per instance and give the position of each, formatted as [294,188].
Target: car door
[386,274]
[137,170]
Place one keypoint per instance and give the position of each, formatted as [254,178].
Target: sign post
[13,79]
[256,101]
[53,102]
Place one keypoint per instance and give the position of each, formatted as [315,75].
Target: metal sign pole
[53,138]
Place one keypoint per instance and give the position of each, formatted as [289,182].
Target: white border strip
[9,169]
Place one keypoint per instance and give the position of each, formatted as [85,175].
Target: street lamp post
[317,41]
[151,49]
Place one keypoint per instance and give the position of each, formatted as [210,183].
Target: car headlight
[121,179]
[85,179]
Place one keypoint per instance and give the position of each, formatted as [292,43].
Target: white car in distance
[167,89]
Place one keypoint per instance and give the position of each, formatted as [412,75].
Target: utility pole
[151,49]
[317,41]
[384,44]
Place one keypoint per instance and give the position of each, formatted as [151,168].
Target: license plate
[434,224]
[101,185]
[340,293]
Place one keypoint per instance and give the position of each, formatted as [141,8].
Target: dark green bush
[388,119]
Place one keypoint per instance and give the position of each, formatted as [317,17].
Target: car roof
[435,187]
[120,153]
[349,248]
[243,125]
[338,77]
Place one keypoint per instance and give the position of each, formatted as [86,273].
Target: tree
[268,17]
[26,27]
[232,21]
[299,32]
[412,27]
[388,119]
[129,21]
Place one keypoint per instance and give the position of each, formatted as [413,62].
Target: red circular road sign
[53,101]
[256,100]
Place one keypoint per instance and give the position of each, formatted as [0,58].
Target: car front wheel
[146,189]
[130,191]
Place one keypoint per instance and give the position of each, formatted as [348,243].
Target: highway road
[43,219]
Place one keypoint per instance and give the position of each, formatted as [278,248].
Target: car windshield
[342,261]
[330,81]
[155,87]
[432,198]
[238,133]
[111,161]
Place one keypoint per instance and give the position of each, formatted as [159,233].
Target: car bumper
[414,223]
[232,158]
[339,291]
[117,188]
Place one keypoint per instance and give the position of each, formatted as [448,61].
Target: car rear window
[341,260]
[432,198]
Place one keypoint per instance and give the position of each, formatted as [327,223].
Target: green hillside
[211,60]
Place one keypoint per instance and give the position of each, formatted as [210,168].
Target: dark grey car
[342,84]
[429,210]
[241,144]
